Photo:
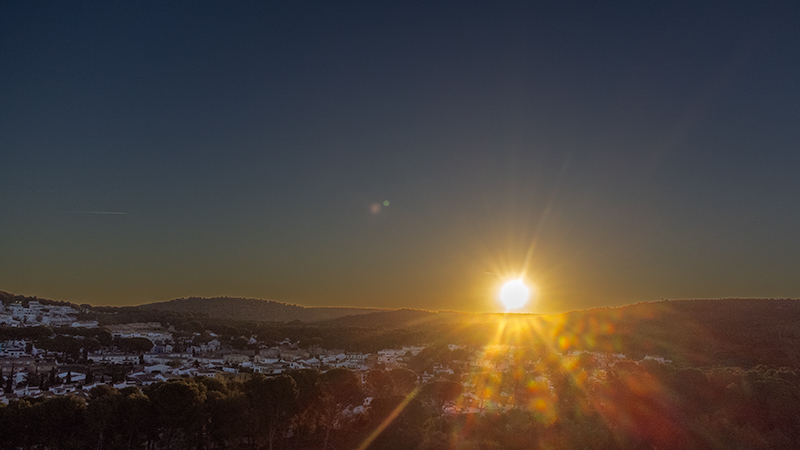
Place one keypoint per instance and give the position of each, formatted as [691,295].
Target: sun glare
[514,294]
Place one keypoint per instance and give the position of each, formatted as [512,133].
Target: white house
[162,368]
[113,358]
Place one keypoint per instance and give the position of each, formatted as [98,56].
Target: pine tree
[10,382]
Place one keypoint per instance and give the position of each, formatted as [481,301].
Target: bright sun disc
[514,294]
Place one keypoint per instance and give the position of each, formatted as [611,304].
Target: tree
[228,415]
[91,345]
[135,344]
[67,346]
[102,412]
[392,383]
[9,388]
[33,379]
[118,418]
[240,343]
[341,389]
[440,394]
[379,384]
[273,401]
[137,418]
[19,422]
[308,400]
[404,381]
[177,407]
[405,429]
[62,421]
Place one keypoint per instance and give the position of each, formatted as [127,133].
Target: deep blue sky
[613,152]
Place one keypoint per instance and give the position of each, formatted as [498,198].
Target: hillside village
[161,354]
[568,380]
[18,314]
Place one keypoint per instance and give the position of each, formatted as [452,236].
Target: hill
[401,318]
[252,309]
[733,332]
[719,332]
[728,332]
[389,319]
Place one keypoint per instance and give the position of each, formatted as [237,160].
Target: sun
[514,294]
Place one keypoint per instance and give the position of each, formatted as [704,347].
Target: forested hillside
[729,332]
[253,309]
[738,332]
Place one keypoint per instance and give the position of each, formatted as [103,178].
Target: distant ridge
[389,319]
[254,309]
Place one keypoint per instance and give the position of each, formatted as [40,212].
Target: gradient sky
[614,152]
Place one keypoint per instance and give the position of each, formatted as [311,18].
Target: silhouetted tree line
[114,315]
[189,413]
[18,333]
[642,406]
[75,348]
[102,335]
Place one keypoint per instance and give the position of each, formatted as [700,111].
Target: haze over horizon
[397,155]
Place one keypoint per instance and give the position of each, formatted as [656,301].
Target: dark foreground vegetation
[641,406]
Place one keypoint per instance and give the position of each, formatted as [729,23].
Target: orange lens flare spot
[563,342]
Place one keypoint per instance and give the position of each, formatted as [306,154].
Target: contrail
[95,212]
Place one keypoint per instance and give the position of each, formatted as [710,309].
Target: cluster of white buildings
[269,361]
[35,313]
[159,367]
[211,358]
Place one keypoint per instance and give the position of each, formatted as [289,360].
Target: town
[139,354]
[134,377]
